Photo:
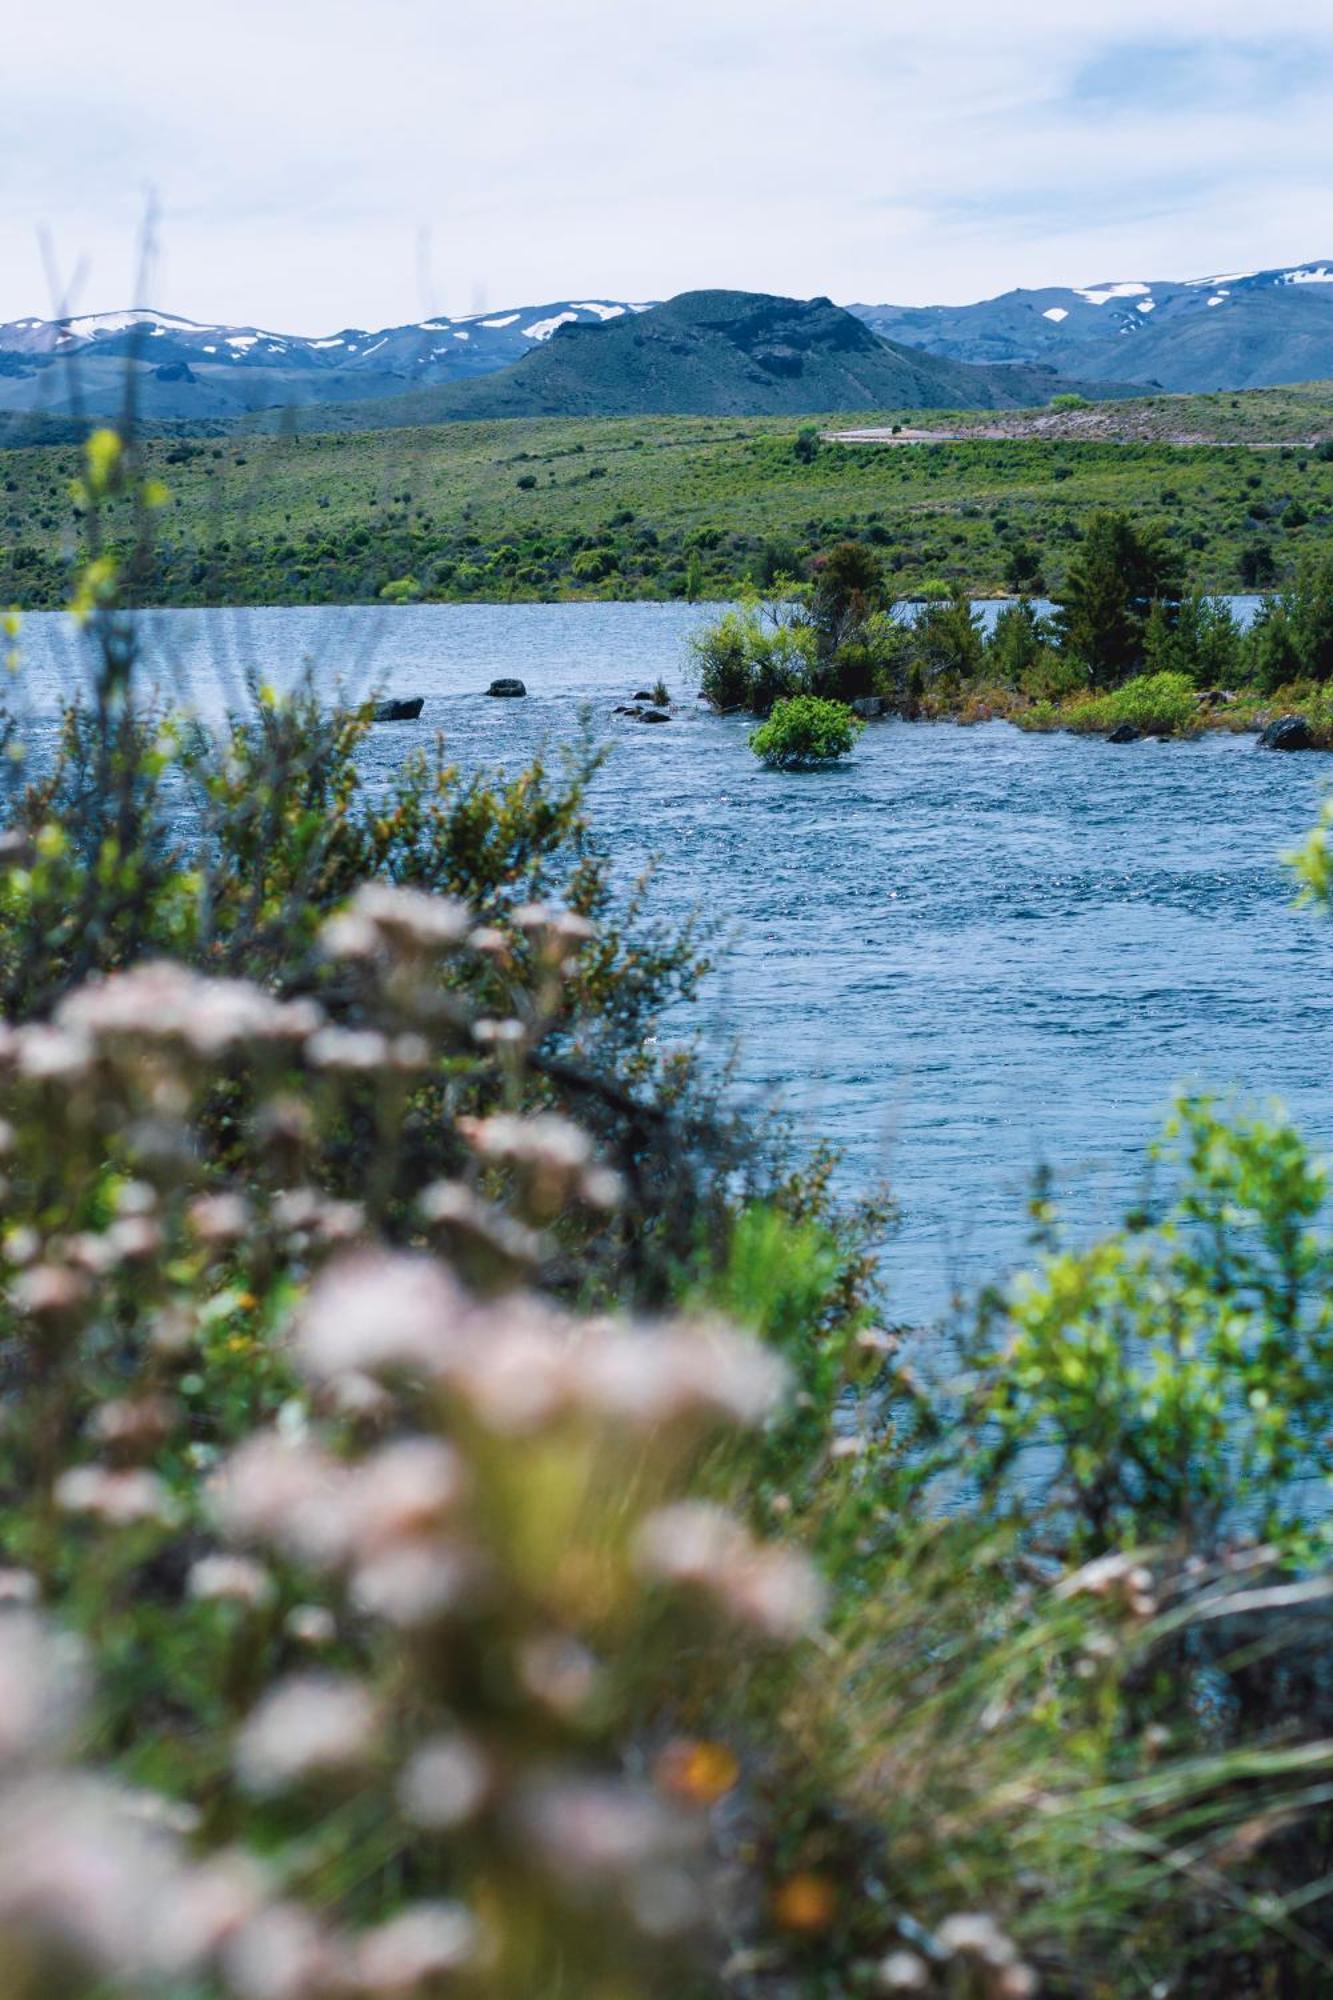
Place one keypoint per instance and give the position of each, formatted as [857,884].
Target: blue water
[966,953]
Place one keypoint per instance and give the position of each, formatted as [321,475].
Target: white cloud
[906,150]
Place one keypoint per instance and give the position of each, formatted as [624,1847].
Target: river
[964,954]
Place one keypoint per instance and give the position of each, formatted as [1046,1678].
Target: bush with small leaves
[805,732]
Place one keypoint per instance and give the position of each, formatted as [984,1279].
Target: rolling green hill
[672,506]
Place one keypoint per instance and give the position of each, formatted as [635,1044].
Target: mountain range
[707,352]
[1241,330]
[188,370]
[717,354]
[704,354]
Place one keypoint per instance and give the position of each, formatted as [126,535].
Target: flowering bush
[373,1562]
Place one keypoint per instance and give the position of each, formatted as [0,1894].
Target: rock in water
[870,707]
[643,695]
[506,690]
[1125,732]
[1289,732]
[399,711]
[653,715]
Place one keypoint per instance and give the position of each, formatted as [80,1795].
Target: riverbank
[1138,712]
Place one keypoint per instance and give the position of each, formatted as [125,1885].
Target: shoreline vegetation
[1128,651]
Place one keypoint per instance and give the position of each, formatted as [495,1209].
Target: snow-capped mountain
[1235,330]
[187,369]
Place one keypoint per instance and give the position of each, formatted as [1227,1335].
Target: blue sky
[318,166]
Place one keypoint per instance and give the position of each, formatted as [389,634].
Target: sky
[314,167]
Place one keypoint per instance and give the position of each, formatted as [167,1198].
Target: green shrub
[1181,1374]
[1015,643]
[753,658]
[1052,678]
[403,590]
[1154,704]
[805,731]
[947,641]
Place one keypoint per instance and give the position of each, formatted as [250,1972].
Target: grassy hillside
[659,508]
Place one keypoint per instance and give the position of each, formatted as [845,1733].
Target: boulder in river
[871,707]
[642,714]
[643,695]
[1124,732]
[1289,732]
[406,709]
[506,690]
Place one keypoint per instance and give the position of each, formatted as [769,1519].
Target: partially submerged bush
[805,732]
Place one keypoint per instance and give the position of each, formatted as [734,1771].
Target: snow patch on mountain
[1057,313]
[91,324]
[1101,295]
[542,329]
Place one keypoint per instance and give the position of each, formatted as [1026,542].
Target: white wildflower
[312,1725]
[444,1784]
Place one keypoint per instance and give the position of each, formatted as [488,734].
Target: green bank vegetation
[465,1521]
[1128,648]
[670,508]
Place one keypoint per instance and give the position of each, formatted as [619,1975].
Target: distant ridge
[1237,330]
[1234,330]
[189,370]
[716,354]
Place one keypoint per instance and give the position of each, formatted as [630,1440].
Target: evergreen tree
[1119,573]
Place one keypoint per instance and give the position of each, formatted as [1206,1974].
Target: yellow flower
[103,453]
[806,1903]
[698,1771]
